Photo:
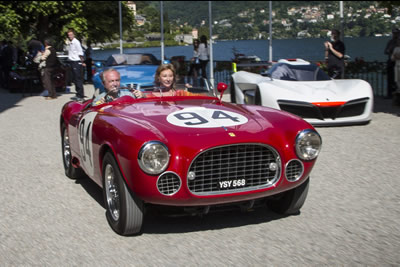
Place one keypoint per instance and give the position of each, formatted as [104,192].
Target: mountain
[291,19]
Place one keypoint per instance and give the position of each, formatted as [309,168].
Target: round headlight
[308,144]
[153,157]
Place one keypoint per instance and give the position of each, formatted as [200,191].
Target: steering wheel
[108,98]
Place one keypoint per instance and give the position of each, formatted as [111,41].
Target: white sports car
[302,88]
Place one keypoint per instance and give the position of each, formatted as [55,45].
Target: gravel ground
[351,216]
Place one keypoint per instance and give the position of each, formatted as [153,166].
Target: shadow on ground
[8,100]
[166,220]
[390,106]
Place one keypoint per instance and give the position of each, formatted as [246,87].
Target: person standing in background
[390,64]
[7,61]
[76,61]
[396,59]
[49,56]
[203,55]
[334,55]
[88,62]
[194,64]
[34,46]
[3,45]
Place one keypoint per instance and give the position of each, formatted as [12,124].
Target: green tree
[9,21]
[98,20]
[102,20]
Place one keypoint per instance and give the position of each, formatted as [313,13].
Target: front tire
[124,210]
[70,171]
[290,202]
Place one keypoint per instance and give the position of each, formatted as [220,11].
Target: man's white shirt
[75,50]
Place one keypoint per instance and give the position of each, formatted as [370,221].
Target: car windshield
[201,87]
[287,72]
[131,59]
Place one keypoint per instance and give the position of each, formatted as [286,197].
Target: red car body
[123,126]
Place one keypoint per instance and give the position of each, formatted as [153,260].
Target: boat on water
[242,58]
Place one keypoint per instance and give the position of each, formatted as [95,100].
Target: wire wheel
[112,192]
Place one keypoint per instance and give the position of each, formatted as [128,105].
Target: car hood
[316,91]
[205,123]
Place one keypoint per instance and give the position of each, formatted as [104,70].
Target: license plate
[232,183]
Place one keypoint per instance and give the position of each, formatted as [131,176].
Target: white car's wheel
[290,202]
[124,211]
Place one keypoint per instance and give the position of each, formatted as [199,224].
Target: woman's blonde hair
[161,68]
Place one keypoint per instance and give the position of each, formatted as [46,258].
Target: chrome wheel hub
[66,149]
[112,193]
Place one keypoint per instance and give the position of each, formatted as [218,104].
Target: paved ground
[351,216]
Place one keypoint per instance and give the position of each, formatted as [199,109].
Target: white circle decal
[85,141]
[200,117]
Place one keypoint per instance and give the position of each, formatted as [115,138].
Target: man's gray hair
[106,71]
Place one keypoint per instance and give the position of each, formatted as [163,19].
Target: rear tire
[290,202]
[70,171]
[124,210]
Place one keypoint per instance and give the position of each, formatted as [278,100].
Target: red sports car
[189,150]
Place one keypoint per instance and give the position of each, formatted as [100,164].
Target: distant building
[243,14]
[140,20]
[225,23]
[286,24]
[132,7]
[195,33]
[185,38]
[303,34]
[153,37]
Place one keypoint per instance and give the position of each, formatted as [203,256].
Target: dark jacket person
[334,55]
[51,63]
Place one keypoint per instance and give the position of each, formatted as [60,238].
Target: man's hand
[137,94]
[100,101]
[328,45]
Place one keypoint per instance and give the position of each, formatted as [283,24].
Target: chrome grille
[258,165]
[307,110]
[168,183]
[294,170]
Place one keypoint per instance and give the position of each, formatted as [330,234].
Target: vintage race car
[303,89]
[189,150]
[137,70]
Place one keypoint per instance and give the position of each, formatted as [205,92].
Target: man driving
[111,80]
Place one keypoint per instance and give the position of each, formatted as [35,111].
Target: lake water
[312,49]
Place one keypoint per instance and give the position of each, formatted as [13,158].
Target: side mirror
[221,87]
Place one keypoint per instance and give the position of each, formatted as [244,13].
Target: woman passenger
[164,80]
[165,83]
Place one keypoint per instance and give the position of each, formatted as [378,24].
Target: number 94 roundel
[200,117]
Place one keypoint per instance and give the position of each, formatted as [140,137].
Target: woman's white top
[203,52]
